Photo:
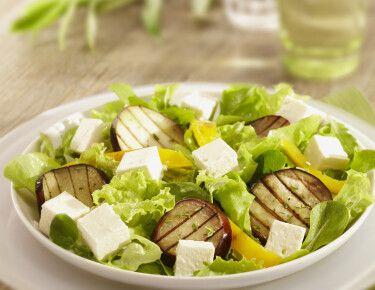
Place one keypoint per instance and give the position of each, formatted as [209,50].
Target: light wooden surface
[35,79]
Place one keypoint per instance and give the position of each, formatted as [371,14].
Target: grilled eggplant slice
[138,127]
[287,195]
[192,219]
[263,125]
[79,180]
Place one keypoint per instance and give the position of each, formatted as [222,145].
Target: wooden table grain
[36,78]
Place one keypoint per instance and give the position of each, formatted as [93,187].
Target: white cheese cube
[325,152]
[203,105]
[284,239]
[190,256]
[56,132]
[63,203]
[147,159]
[103,231]
[294,110]
[217,157]
[88,132]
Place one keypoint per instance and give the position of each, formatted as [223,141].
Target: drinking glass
[321,39]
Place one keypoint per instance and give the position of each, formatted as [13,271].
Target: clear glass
[321,39]
[252,14]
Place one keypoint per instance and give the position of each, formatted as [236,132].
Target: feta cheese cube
[294,110]
[217,157]
[190,256]
[325,152]
[103,231]
[88,132]
[203,105]
[147,159]
[284,239]
[56,132]
[63,203]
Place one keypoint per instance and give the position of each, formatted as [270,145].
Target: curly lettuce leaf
[182,190]
[231,193]
[95,157]
[63,154]
[139,202]
[251,102]
[236,134]
[222,267]
[24,170]
[356,194]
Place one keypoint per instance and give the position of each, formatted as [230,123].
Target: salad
[191,185]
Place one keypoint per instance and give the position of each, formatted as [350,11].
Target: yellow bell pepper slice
[250,249]
[204,131]
[172,159]
[300,160]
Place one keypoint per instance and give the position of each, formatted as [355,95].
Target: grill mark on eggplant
[289,209]
[150,133]
[308,187]
[189,234]
[49,191]
[260,233]
[292,190]
[57,182]
[292,208]
[71,179]
[266,129]
[123,143]
[276,124]
[179,224]
[131,133]
[161,129]
[145,115]
[213,235]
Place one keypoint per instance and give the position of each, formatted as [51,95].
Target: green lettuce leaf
[236,134]
[246,163]
[328,221]
[46,146]
[95,157]
[139,202]
[182,190]
[24,170]
[355,194]
[300,253]
[251,102]
[269,161]
[139,251]
[231,193]
[338,130]
[363,161]
[156,268]
[222,267]
[63,154]
[228,119]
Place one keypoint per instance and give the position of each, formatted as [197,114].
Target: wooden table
[35,79]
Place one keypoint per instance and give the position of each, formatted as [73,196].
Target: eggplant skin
[221,247]
[99,177]
[113,137]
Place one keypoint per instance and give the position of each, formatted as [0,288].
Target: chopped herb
[195,227]
[306,218]
[289,219]
[198,208]
[210,231]
[257,228]
[179,236]
[168,220]
[81,187]
[303,196]
[285,205]
[172,140]
[301,207]
[183,214]
[155,137]
[294,187]
[274,210]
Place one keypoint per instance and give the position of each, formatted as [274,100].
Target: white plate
[21,256]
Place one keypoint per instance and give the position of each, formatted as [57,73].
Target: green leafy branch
[40,14]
